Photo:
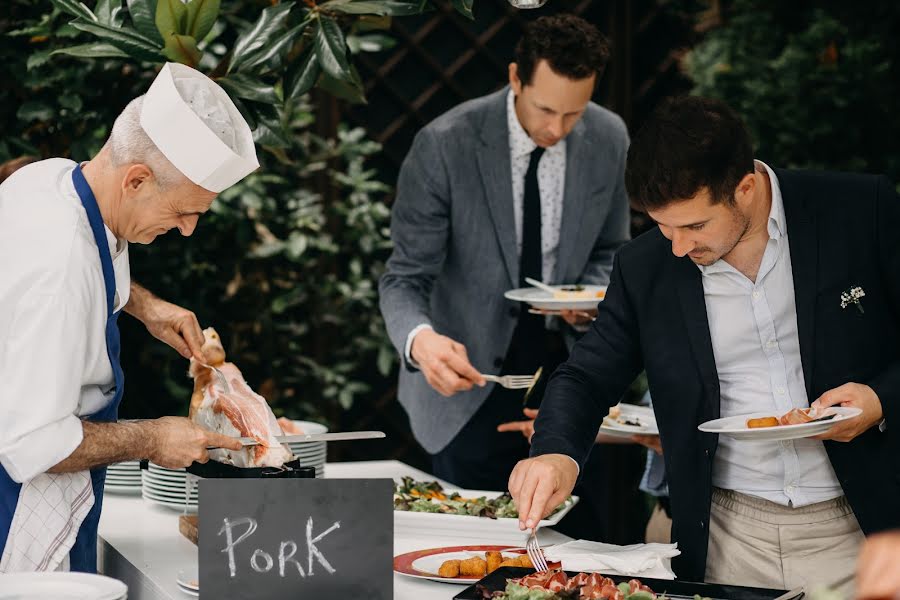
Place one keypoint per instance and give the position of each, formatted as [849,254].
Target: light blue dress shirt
[753,327]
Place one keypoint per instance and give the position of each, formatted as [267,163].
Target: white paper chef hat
[198,128]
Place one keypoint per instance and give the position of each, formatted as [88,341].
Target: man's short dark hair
[687,144]
[572,46]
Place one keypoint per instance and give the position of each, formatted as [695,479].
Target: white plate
[736,427]
[481,525]
[122,490]
[643,414]
[541,299]
[188,580]
[61,586]
[179,506]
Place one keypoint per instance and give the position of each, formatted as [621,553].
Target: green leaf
[36,59]
[128,40]
[108,12]
[143,17]
[374,42]
[171,17]
[268,24]
[201,16]
[332,49]
[302,75]
[74,8]
[94,50]
[268,52]
[385,8]
[182,49]
[350,90]
[35,110]
[249,88]
[464,7]
[71,101]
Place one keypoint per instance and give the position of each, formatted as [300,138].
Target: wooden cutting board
[189,526]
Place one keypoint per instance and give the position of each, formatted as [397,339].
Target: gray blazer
[455,251]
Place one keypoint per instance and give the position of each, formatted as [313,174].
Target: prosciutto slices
[583,586]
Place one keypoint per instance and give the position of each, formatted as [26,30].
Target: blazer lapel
[802,240]
[693,308]
[496,175]
[575,193]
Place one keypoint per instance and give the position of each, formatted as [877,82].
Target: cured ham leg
[241,412]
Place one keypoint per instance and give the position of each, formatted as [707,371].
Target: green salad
[430,496]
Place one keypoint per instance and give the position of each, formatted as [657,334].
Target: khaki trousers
[659,527]
[757,543]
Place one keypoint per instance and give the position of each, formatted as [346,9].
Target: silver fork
[220,376]
[535,554]
[512,382]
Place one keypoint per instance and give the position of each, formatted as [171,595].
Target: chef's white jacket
[53,362]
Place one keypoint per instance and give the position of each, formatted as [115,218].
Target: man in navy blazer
[761,290]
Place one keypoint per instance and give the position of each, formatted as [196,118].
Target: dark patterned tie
[531,261]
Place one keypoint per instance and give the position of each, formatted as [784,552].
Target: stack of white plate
[61,586]
[166,487]
[124,478]
[311,454]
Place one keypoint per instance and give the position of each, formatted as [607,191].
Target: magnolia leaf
[37,59]
[94,50]
[385,8]
[249,88]
[464,7]
[201,16]
[268,24]
[182,49]
[108,12]
[74,8]
[374,42]
[171,17]
[372,22]
[302,75]
[278,47]
[128,40]
[332,48]
[350,89]
[143,17]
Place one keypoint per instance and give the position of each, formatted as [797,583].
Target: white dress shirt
[753,327]
[53,361]
[551,184]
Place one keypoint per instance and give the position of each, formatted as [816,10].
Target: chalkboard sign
[296,538]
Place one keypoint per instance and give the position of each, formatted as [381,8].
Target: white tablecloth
[140,543]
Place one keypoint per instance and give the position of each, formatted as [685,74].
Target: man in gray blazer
[524,181]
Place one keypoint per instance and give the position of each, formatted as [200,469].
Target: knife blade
[315,437]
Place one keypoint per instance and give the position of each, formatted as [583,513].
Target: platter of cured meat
[508,583]
[766,426]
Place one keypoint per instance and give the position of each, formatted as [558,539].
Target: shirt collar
[520,142]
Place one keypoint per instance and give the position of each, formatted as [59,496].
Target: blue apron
[83,556]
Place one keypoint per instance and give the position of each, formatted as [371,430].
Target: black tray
[216,470]
[496,581]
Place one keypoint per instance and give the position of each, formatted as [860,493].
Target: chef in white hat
[64,234]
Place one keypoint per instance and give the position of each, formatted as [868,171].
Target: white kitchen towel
[49,514]
[644,560]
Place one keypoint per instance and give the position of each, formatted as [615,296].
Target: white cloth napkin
[645,560]
[49,514]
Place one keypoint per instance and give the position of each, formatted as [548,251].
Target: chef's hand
[444,363]
[857,395]
[167,322]
[176,442]
[540,484]
[526,428]
[578,318]
[877,569]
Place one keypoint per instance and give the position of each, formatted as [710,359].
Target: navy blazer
[843,232]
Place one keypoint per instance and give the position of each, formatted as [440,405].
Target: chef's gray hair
[129,144]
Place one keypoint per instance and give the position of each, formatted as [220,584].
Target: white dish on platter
[736,426]
[642,414]
[61,586]
[540,299]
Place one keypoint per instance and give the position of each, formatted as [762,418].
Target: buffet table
[140,543]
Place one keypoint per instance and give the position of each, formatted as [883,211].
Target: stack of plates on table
[166,487]
[123,478]
[311,454]
[61,586]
